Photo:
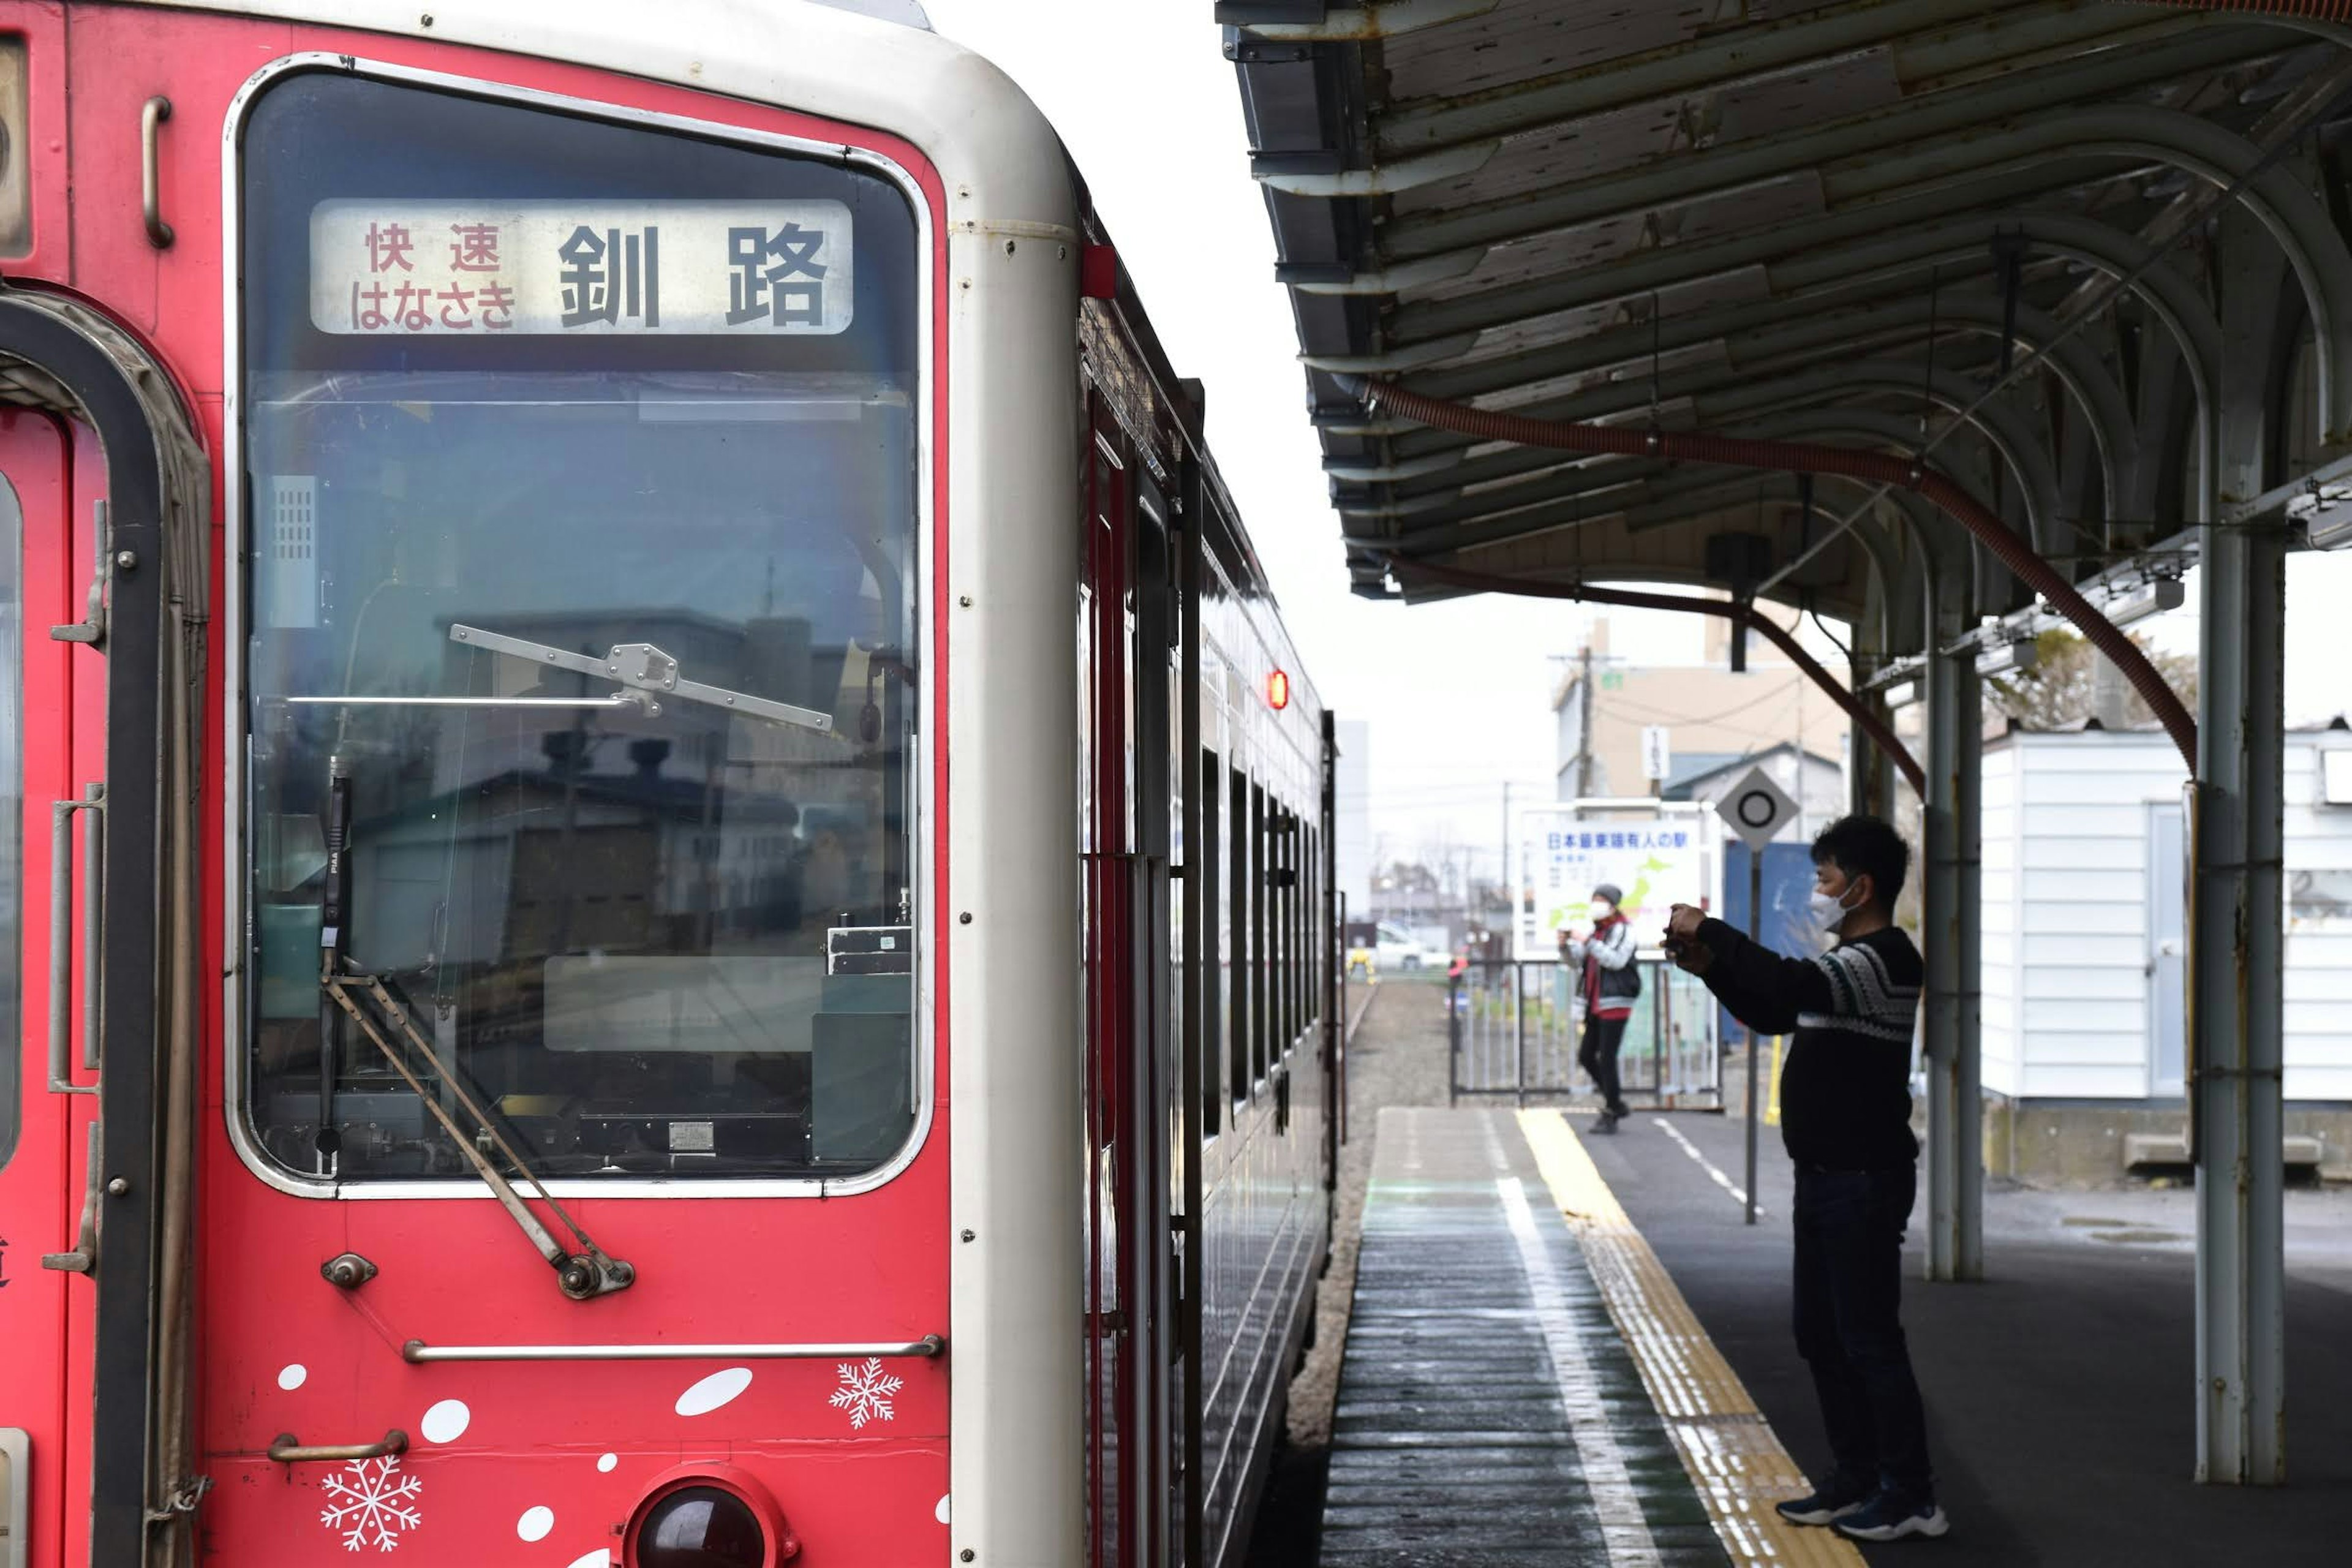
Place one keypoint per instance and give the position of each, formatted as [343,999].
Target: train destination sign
[395,268]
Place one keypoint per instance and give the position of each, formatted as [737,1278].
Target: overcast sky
[1458,693]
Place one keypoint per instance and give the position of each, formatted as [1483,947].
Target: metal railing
[1514,1027]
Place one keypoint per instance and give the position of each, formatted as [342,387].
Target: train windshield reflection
[618,670]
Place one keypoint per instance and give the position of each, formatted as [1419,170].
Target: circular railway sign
[1755,808]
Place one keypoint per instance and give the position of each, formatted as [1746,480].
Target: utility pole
[1502,874]
[1584,722]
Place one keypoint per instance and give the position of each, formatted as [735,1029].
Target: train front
[530,549]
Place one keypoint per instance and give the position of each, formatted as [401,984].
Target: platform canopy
[2068,278]
[2006,229]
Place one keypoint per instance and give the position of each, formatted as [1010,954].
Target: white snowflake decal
[866,1392]
[371,1503]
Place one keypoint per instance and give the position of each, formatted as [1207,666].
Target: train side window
[1286,911]
[1238,949]
[1213,967]
[13,891]
[1317,939]
[586,610]
[1261,1017]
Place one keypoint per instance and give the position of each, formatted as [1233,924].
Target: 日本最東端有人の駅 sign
[1653,862]
[396,269]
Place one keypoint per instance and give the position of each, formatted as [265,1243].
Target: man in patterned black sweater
[1846,1118]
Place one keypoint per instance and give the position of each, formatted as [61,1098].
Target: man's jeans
[1849,1227]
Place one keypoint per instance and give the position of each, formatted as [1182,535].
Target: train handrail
[286,1450]
[930,1345]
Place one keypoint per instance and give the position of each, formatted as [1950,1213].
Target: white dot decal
[445,1422]
[535,1524]
[600,1558]
[605,1462]
[714,1390]
[290,1378]
[941,1511]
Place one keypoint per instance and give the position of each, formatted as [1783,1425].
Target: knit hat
[1609,891]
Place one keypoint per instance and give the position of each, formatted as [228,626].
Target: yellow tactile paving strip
[1733,1458]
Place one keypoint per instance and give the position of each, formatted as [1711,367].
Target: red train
[673,900]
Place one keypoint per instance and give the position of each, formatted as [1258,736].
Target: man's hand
[1689,954]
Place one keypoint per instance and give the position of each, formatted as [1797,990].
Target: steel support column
[1967,1061]
[2235,937]
[1954,1156]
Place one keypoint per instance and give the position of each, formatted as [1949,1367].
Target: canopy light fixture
[1277,691]
[2017,656]
[2325,512]
[2163,593]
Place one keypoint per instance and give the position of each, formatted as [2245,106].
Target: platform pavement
[1523,1385]
[2059,1390]
[2059,1414]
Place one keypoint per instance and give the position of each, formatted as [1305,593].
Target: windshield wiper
[376,1012]
[641,668]
[591,1271]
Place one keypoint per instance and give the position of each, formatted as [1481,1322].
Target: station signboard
[1655,858]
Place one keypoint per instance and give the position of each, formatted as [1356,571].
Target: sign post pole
[1754,901]
[1756,809]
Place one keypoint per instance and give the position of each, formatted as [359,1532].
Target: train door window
[1213,969]
[12,814]
[1239,948]
[583,615]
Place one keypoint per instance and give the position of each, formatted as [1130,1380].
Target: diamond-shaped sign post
[1756,809]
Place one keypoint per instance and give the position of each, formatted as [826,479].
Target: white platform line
[1739,1194]
[1623,1528]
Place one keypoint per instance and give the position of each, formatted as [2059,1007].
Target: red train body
[713,938]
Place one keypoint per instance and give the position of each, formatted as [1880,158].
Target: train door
[1151,1095]
[46,1113]
[1124,635]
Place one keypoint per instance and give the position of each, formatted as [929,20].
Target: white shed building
[2082,951]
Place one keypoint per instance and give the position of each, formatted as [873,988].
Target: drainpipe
[1785,456]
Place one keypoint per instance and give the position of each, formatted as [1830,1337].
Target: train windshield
[581,645]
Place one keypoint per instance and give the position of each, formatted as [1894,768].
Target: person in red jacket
[1609,982]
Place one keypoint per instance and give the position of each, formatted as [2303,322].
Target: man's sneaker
[1605,1122]
[1833,1501]
[1891,1517]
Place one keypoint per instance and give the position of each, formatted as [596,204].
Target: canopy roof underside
[1823,223]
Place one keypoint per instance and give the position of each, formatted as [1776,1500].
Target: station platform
[1522,1383]
[1567,1348]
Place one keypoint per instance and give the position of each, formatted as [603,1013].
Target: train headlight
[709,1516]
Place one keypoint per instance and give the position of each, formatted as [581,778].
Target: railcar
[671,895]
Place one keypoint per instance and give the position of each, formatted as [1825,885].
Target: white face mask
[1602,908]
[1829,912]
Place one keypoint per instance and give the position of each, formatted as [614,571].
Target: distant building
[1712,718]
[1817,784]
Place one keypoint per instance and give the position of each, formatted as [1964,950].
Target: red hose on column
[1788,456]
[1777,635]
[2310,10]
